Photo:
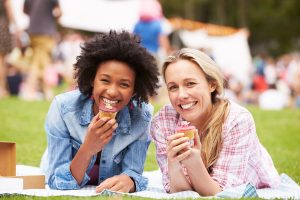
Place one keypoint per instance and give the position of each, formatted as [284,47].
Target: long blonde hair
[212,140]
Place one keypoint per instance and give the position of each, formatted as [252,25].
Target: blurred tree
[274,24]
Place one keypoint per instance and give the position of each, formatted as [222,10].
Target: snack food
[107,110]
[188,130]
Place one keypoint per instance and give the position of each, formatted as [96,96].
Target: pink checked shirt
[242,158]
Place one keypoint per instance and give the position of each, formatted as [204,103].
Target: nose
[182,93]
[112,91]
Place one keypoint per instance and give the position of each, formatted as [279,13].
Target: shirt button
[103,161]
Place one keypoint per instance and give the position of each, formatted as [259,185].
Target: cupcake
[107,110]
[188,130]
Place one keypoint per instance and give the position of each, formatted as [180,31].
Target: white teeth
[187,106]
[107,101]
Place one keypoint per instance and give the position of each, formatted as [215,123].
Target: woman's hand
[99,133]
[178,148]
[195,153]
[119,183]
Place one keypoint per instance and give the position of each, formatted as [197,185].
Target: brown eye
[125,85]
[190,84]
[105,81]
[172,88]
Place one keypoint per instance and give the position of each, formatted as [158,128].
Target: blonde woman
[226,150]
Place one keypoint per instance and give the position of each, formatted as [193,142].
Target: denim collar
[123,117]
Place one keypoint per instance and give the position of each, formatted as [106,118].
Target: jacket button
[103,161]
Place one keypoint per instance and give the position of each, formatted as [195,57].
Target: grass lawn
[23,123]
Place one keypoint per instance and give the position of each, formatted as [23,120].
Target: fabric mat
[287,189]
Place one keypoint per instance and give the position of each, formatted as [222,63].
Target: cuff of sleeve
[64,179]
[140,181]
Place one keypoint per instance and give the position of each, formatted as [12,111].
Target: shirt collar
[86,114]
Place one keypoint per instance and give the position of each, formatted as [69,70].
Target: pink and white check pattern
[242,158]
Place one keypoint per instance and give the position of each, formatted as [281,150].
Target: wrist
[133,188]
[85,151]
[174,167]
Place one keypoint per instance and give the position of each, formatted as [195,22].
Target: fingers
[181,156]
[178,147]
[104,126]
[107,184]
[119,183]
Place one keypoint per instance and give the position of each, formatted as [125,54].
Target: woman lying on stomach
[99,134]
[225,150]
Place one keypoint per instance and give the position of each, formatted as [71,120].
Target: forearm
[80,164]
[10,14]
[178,181]
[201,181]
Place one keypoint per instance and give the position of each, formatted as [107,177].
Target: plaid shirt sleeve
[243,159]
[238,136]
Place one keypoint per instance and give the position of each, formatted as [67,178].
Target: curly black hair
[120,46]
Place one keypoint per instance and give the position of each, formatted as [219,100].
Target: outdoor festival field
[23,123]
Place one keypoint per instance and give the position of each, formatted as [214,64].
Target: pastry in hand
[188,130]
[107,110]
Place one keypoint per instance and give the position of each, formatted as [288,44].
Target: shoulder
[165,116]
[71,100]
[237,111]
[239,119]
[144,111]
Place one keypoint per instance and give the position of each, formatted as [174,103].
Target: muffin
[107,111]
[188,130]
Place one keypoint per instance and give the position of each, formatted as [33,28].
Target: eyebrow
[122,80]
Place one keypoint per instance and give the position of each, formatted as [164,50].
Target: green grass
[23,122]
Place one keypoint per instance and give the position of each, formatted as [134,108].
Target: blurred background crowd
[39,42]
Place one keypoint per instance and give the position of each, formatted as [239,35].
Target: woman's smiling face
[113,84]
[188,89]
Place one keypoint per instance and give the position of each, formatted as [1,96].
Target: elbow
[209,191]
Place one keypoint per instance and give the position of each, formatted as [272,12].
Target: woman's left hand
[195,155]
[119,183]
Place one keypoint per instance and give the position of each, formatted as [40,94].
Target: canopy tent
[227,45]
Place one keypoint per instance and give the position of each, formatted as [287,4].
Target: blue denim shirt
[66,126]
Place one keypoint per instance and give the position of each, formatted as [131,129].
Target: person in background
[6,41]
[42,31]
[149,28]
[85,148]
[226,150]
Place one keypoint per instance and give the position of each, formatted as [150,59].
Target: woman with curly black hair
[87,143]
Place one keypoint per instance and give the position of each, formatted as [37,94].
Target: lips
[110,102]
[108,105]
[187,105]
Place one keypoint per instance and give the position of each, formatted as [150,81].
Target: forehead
[115,68]
[183,69]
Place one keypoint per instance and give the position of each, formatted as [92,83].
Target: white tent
[91,15]
[231,52]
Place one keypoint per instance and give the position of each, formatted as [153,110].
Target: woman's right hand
[178,148]
[99,133]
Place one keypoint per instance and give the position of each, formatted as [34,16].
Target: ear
[212,87]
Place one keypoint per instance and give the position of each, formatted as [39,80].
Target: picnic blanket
[287,189]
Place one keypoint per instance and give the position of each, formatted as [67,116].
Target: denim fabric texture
[66,126]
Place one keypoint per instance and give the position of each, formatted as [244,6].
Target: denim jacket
[66,126]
